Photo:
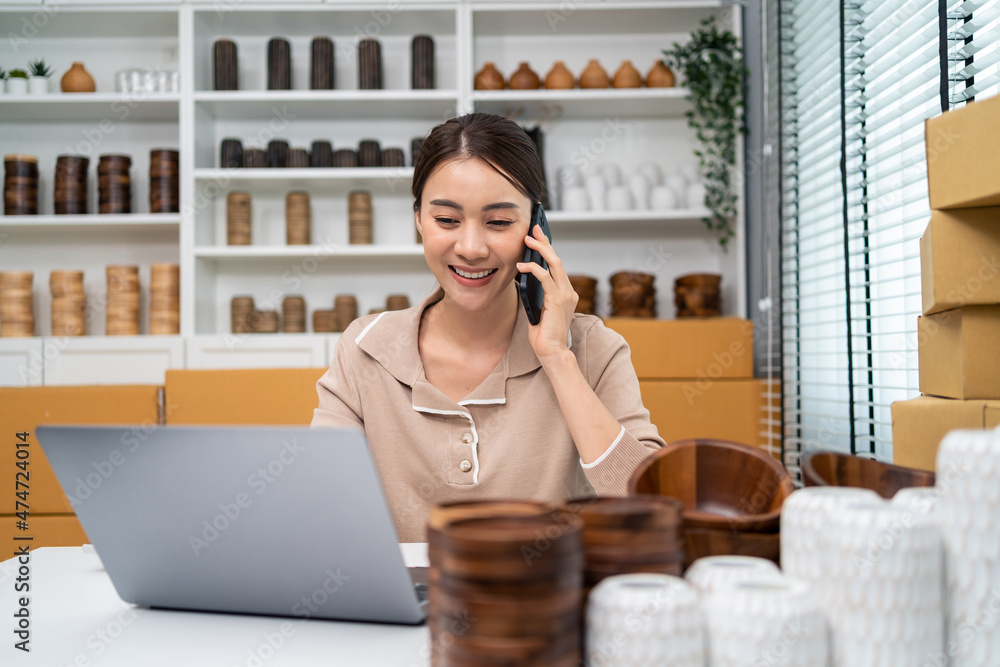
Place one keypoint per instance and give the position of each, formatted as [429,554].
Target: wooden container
[298,218]
[255,158]
[164,181]
[393,157]
[71,185]
[20,185]
[345,309]
[397,302]
[359,217]
[660,76]
[297,158]
[164,299]
[293,314]
[277,153]
[633,294]
[17,304]
[559,77]
[122,300]
[321,64]
[69,303]
[698,295]
[231,154]
[114,186]
[241,314]
[825,468]
[321,155]
[415,145]
[279,64]
[594,76]
[345,157]
[627,76]
[369,64]
[238,218]
[225,65]
[422,62]
[525,78]
[265,321]
[324,321]
[585,288]
[489,78]
[369,153]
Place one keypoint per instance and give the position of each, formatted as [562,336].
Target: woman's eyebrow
[458,207]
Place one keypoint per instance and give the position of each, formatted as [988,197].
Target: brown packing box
[261,396]
[963,156]
[919,425]
[708,349]
[52,530]
[722,409]
[24,408]
[959,353]
[960,259]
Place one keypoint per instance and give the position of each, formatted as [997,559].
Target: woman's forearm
[591,424]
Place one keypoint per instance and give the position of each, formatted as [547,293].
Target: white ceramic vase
[17,86]
[713,573]
[38,85]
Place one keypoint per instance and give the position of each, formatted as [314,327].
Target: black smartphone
[532,294]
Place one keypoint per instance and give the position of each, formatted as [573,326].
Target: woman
[460,397]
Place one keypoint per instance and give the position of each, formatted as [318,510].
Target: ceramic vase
[559,77]
[660,76]
[594,76]
[489,78]
[38,85]
[524,78]
[17,86]
[716,573]
[627,76]
[77,80]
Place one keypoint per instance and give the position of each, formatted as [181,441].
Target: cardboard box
[24,408]
[919,425]
[963,156]
[703,349]
[261,396]
[959,353]
[45,531]
[960,259]
[724,409]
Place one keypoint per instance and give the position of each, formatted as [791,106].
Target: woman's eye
[446,221]
[500,223]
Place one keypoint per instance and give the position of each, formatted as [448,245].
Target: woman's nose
[471,242]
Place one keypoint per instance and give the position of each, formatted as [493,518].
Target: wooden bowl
[699,280]
[723,485]
[826,468]
[702,542]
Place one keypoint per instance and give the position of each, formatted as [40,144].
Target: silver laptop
[286,521]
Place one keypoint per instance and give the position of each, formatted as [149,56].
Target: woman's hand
[550,336]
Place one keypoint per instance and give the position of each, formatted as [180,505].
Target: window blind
[858,79]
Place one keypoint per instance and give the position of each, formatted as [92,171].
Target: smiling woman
[461,398]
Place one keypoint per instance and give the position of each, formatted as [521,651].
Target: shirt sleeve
[607,364]
[339,400]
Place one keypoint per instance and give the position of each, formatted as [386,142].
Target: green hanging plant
[712,66]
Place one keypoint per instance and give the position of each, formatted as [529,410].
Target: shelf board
[626,218]
[390,178]
[324,104]
[374,251]
[587,103]
[90,223]
[75,107]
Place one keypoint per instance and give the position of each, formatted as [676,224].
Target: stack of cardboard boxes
[958,337]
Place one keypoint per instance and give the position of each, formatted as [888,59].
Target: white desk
[78,619]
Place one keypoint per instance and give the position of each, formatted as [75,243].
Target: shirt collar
[392,342]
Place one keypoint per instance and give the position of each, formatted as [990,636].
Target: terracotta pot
[594,76]
[525,79]
[660,76]
[627,76]
[489,78]
[77,80]
[559,77]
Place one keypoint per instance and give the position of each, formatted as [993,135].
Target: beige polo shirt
[506,439]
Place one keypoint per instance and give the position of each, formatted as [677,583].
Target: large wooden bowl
[723,485]
[826,468]
[701,542]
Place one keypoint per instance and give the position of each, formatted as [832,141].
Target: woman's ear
[416,218]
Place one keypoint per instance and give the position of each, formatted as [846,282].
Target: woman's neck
[486,329]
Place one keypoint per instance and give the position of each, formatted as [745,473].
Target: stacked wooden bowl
[69,303]
[225,65]
[297,158]
[393,157]
[518,598]
[298,218]
[345,309]
[293,314]
[279,64]
[164,299]
[238,218]
[422,62]
[265,321]
[164,181]
[324,321]
[114,185]
[17,304]
[697,295]
[397,302]
[836,469]
[369,153]
[359,217]
[277,153]
[321,64]
[255,158]
[231,154]
[629,535]
[70,188]
[585,288]
[321,155]
[732,495]
[241,310]
[20,185]
[122,304]
[345,157]
[633,294]
[369,64]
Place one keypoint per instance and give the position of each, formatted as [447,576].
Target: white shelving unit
[582,128]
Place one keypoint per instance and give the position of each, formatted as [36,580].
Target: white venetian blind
[973,33]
